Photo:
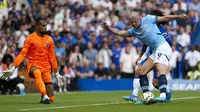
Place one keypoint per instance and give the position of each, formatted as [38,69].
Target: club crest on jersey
[47,44]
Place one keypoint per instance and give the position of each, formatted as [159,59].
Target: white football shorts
[162,54]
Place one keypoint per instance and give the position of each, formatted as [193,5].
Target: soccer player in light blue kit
[146,30]
[136,85]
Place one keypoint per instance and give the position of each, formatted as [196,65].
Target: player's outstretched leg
[136,87]
[142,71]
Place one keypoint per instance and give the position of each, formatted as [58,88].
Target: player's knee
[38,78]
[161,69]
[140,71]
[137,71]
[37,73]
[52,98]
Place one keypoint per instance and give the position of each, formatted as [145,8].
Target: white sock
[167,89]
[45,97]
[150,78]
[163,95]
[136,86]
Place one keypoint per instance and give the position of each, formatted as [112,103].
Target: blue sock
[162,81]
[144,83]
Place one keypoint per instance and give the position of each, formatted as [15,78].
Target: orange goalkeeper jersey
[39,51]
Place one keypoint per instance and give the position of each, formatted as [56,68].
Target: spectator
[56,37]
[193,17]
[194,74]
[11,84]
[114,72]
[21,36]
[68,73]
[76,58]
[58,19]
[87,32]
[100,72]
[192,58]
[23,10]
[91,54]
[176,56]
[85,71]
[183,39]
[104,56]
[69,39]
[60,50]
[80,40]
[166,7]
[85,19]
[13,10]
[180,3]
[116,54]
[127,63]
[195,5]
[180,11]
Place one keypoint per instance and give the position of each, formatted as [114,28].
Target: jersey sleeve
[52,56]
[152,19]
[23,53]
[131,31]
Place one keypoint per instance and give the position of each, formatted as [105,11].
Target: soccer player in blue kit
[136,85]
[146,30]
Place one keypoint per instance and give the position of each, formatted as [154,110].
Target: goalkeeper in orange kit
[39,49]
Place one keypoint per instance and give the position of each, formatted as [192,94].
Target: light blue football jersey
[148,32]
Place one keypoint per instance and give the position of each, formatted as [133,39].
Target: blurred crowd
[84,50]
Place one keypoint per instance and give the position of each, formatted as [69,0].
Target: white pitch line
[98,104]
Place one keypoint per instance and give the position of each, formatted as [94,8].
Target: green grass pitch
[182,101]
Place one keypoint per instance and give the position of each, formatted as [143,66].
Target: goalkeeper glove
[7,73]
[59,79]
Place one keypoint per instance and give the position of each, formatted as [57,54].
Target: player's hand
[59,79]
[7,73]
[137,60]
[105,25]
[184,16]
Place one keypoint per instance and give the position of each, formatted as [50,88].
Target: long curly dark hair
[7,56]
[158,13]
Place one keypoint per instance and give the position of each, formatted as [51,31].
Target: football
[147,97]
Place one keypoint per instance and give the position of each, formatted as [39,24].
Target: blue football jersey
[166,35]
[148,32]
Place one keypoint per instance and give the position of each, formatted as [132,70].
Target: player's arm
[143,50]
[23,53]
[171,17]
[115,31]
[52,57]
[54,65]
